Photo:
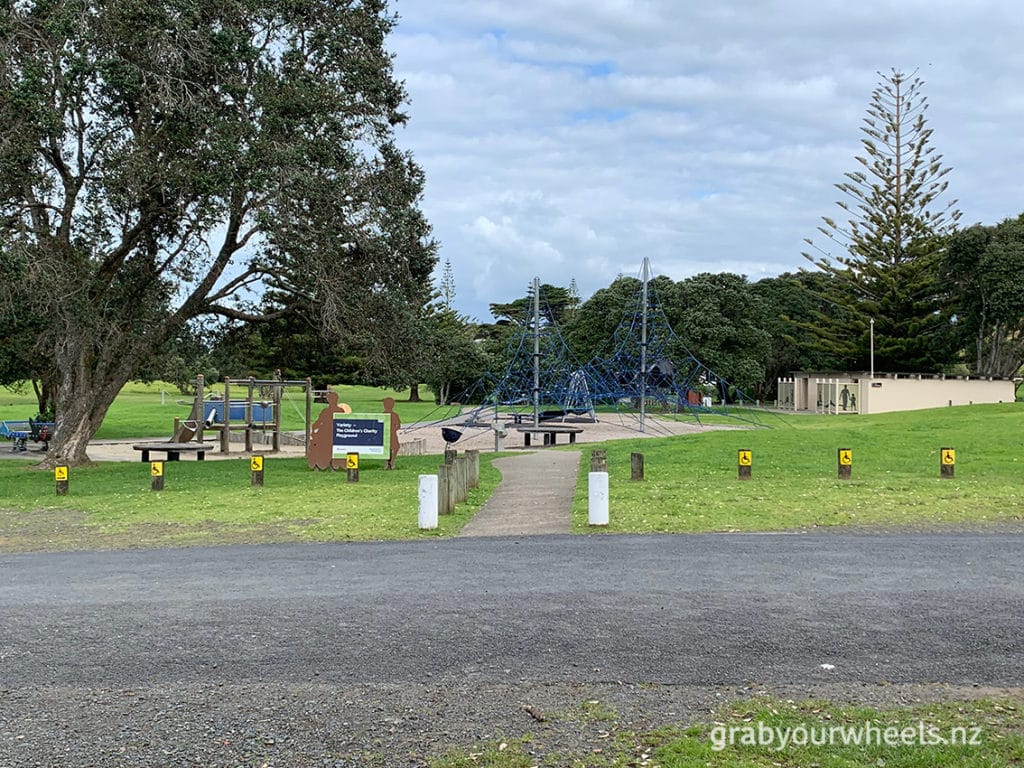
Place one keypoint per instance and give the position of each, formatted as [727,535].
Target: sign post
[156,471]
[947,462]
[60,475]
[352,467]
[845,463]
[745,461]
[256,467]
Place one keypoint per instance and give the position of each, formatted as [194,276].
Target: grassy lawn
[999,736]
[691,481]
[111,505]
[149,410]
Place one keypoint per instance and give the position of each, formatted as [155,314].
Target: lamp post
[872,347]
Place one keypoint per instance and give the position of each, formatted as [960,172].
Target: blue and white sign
[368,434]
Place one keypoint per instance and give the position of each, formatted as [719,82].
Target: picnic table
[173,450]
[549,433]
[20,432]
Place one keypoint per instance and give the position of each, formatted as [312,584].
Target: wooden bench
[549,432]
[173,450]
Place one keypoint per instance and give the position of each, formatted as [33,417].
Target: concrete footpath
[534,497]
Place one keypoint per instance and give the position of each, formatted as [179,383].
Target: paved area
[534,497]
[701,609]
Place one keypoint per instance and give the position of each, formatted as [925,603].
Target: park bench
[20,432]
[549,433]
[173,450]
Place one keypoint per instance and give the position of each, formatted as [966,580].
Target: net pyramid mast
[541,377]
[646,365]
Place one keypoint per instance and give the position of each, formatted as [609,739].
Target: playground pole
[643,347]
[536,351]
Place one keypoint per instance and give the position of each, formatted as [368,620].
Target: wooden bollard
[156,472]
[947,462]
[60,476]
[598,460]
[745,462]
[461,479]
[352,467]
[450,454]
[845,458]
[474,468]
[636,466]
[453,487]
[256,470]
[443,506]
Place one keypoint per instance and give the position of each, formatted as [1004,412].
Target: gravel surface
[383,654]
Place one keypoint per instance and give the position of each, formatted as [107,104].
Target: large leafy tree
[791,312]
[161,157]
[721,319]
[886,247]
[985,270]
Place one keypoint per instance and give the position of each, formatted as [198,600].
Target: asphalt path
[701,609]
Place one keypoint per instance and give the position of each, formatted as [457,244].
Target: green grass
[1000,735]
[149,410]
[111,505]
[691,481]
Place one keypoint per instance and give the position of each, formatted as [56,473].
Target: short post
[746,461]
[947,462]
[156,471]
[474,468]
[60,476]
[597,498]
[442,490]
[352,467]
[462,478]
[499,439]
[598,460]
[636,466]
[256,468]
[450,455]
[452,488]
[428,502]
[845,463]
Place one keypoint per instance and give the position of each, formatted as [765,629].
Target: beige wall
[911,394]
[884,394]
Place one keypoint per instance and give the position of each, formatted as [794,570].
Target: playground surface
[482,438]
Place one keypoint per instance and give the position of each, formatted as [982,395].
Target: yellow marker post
[746,462]
[156,471]
[60,476]
[352,465]
[845,463]
[947,462]
[256,468]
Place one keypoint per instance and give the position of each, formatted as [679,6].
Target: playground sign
[368,434]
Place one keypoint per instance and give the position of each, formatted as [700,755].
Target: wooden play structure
[257,412]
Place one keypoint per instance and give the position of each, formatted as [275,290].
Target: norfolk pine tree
[889,249]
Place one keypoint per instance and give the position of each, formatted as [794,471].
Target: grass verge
[691,481]
[976,733]
[111,505]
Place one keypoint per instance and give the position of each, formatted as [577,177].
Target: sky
[569,139]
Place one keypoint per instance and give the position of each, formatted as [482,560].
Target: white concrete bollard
[597,509]
[428,502]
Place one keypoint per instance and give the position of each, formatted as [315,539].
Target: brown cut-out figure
[396,424]
[321,436]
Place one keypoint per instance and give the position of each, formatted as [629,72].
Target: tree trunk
[86,390]
[414,393]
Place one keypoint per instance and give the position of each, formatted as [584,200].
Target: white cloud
[571,138]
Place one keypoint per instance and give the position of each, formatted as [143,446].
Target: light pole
[872,347]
